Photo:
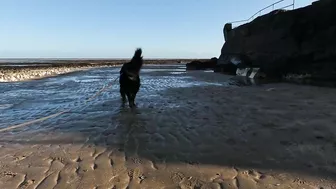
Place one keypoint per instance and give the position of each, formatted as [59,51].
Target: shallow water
[24,101]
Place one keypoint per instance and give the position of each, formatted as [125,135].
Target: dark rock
[226,68]
[202,65]
[285,42]
[231,62]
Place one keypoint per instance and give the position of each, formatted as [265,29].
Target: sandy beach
[190,130]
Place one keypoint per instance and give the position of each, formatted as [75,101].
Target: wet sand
[190,130]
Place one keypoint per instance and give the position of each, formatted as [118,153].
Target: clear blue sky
[114,28]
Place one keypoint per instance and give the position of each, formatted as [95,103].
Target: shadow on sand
[258,131]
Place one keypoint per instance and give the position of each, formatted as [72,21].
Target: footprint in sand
[19,158]
[94,166]
[78,160]
[177,178]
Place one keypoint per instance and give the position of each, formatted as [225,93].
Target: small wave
[5,106]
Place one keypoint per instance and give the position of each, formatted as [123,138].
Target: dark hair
[137,59]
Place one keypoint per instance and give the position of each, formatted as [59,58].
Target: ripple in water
[34,99]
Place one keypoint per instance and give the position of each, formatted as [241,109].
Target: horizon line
[30,58]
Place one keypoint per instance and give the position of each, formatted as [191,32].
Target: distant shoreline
[7,64]
[82,60]
[13,72]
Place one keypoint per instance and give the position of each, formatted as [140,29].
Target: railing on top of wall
[261,10]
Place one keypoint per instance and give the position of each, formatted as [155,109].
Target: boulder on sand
[202,65]
[230,63]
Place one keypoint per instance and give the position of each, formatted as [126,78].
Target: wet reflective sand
[190,130]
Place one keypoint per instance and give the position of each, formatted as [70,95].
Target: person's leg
[130,99]
[136,90]
[123,95]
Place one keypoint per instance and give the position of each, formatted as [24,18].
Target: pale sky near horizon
[114,28]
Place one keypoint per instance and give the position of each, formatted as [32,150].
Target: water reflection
[24,101]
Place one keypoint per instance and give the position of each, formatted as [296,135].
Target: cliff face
[302,41]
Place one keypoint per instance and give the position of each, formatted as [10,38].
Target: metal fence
[259,13]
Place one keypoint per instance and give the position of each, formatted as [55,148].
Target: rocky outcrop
[202,65]
[27,73]
[301,41]
[232,63]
